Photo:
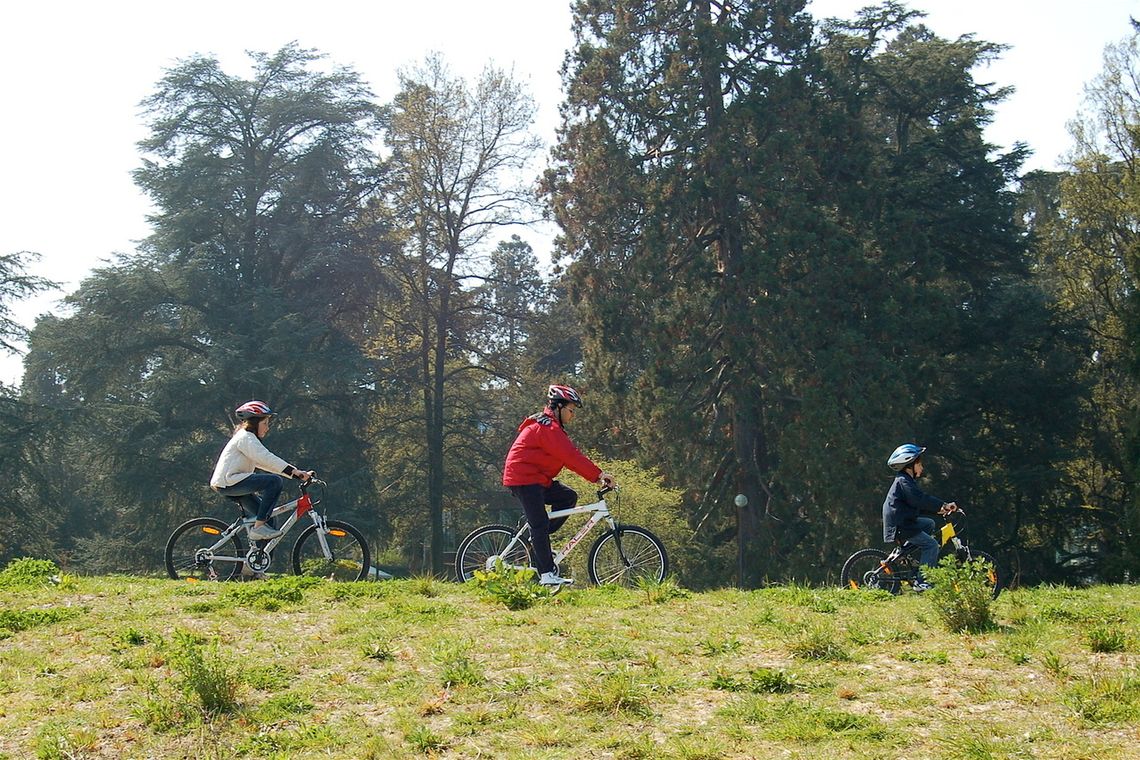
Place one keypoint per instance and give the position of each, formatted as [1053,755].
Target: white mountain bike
[207,549]
[622,555]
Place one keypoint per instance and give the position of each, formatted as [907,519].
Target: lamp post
[741,501]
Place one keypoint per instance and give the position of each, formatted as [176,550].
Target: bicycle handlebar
[306,484]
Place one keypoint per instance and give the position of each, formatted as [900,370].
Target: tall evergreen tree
[248,287]
[22,528]
[788,245]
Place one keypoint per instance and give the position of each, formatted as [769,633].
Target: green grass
[116,667]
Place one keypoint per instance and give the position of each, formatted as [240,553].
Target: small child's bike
[624,554]
[207,549]
[875,569]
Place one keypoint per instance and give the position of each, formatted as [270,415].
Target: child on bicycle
[903,509]
[540,451]
[235,473]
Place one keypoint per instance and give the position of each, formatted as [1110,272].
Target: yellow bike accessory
[948,532]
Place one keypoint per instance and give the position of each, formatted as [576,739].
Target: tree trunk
[747,434]
[435,437]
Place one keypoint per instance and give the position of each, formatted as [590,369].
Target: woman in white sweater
[235,473]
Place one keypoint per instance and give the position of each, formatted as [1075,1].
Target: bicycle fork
[322,533]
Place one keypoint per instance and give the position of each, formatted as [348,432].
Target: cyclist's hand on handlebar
[607,480]
[948,507]
[304,475]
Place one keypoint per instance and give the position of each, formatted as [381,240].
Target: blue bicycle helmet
[904,456]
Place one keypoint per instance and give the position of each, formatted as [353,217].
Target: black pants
[534,499]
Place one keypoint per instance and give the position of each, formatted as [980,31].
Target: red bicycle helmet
[251,409]
[561,395]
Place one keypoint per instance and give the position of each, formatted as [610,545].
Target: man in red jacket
[539,453]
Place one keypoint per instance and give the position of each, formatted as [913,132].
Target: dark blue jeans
[924,539]
[246,491]
[534,500]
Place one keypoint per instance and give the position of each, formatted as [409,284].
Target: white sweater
[242,455]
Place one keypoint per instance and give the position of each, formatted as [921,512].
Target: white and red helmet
[560,395]
[251,409]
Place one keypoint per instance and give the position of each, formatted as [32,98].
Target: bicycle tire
[181,553]
[994,577]
[644,557]
[351,560]
[862,570]
[486,542]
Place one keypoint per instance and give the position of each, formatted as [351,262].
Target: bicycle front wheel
[483,544]
[993,579]
[347,559]
[627,555]
[193,551]
[864,570]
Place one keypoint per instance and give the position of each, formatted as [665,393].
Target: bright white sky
[74,72]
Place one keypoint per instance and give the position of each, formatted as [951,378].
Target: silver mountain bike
[207,549]
[623,554]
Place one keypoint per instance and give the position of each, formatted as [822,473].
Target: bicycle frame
[600,510]
[301,506]
[947,535]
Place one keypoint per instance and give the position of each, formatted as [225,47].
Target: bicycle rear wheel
[487,542]
[864,570]
[193,552]
[348,558]
[626,556]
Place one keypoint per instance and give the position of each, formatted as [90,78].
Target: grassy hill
[116,667]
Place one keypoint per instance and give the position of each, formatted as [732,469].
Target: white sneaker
[553,579]
[263,532]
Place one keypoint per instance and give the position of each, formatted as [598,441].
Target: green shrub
[380,649]
[29,573]
[205,674]
[516,589]
[457,667]
[423,740]
[14,621]
[128,638]
[770,681]
[424,585]
[713,647]
[273,593]
[1106,639]
[1054,665]
[162,712]
[962,596]
[660,591]
[1104,699]
[819,642]
[644,500]
[618,693]
[56,741]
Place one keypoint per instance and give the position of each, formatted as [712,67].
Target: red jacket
[541,450]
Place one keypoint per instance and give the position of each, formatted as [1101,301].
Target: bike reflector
[211,530]
[947,532]
[338,532]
